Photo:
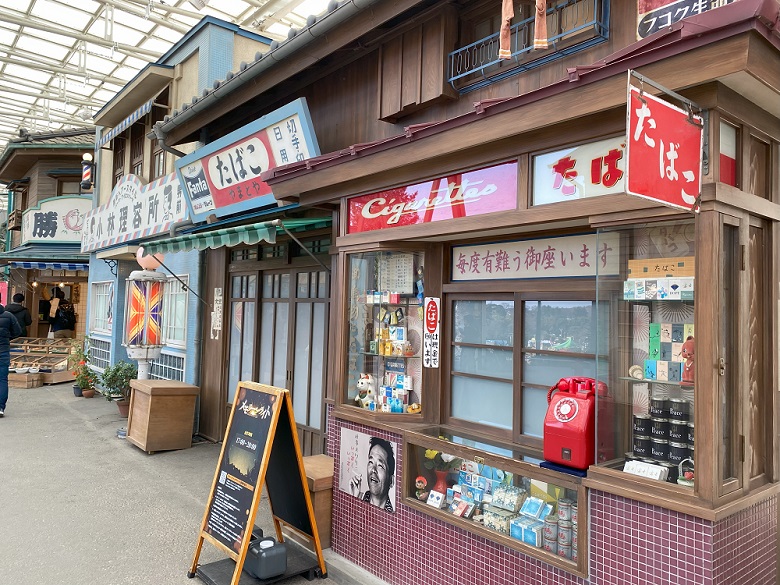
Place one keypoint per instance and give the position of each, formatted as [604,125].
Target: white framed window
[175,312]
[168,367]
[102,298]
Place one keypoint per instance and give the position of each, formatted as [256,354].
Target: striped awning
[49,265]
[126,123]
[232,236]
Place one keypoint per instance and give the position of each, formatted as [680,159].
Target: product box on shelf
[509,498]
[498,519]
[532,507]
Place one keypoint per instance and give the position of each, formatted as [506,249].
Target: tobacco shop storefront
[475,291]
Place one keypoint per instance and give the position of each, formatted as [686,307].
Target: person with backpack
[62,315]
[18,310]
[9,329]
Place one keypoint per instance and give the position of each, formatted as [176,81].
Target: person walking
[18,310]
[9,329]
[62,315]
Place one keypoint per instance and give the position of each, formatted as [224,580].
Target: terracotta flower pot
[88,392]
[124,408]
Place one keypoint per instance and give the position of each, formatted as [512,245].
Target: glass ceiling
[61,61]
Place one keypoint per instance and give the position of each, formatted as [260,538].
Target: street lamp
[86,171]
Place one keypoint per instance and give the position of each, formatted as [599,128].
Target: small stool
[319,477]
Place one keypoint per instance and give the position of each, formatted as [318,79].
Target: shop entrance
[278,336]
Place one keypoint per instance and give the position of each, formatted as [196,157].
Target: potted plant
[85,376]
[115,381]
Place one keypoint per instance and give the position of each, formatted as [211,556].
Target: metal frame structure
[62,60]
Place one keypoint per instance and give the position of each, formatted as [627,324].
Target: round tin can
[564,509]
[641,446]
[564,533]
[677,452]
[678,431]
[671,471]
[690,434]
[574,556]
[678,409]
[573,537]
[659,408]
[574,515]
[642,424]
[659,448]
[550,545]
[690,452]
[659,428]
[564,551]
[550,528]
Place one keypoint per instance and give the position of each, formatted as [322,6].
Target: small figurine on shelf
[688,353]
[414,408]
[421,493]
[366,388]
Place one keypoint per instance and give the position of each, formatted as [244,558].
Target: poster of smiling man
[367,469]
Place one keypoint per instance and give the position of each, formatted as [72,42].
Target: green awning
[232,236]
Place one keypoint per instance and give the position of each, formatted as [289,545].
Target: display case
[498,492]
[653,365]
[384,333]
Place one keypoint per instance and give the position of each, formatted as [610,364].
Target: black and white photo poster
[367,469]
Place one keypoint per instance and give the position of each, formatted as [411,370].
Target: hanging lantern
[143,318]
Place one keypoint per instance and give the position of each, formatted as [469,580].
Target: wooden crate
[24,380]
[162,414]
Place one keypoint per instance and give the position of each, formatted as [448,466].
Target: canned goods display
[659,428]
[659,408]
[574,556]
[678,431]
[677,452]
[564,551]
[642,424]
[641,446]
[672,472]
[551,528]
[574,515]
[573,537]
[678,409]
[564,533]
[564,509]
[550,545]
[690,433]
[659,448]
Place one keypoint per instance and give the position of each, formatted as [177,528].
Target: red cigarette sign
[664,145]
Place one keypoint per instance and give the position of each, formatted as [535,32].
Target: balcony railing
[572,26]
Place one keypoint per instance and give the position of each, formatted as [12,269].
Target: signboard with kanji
[664,146]
[223,177]
[432,307]
[59,219]
[656,15]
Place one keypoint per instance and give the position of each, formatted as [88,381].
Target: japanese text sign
[567,256]
[135,211]
[59,219]
[664,151]
[224,177]
[459,195]
[432,307]
[656,15]
[587,170]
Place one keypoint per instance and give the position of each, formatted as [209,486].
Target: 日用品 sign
[664,146]
[224,177]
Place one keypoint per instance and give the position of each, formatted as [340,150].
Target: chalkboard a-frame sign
[260,448]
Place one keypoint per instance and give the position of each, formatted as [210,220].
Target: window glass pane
[559,326]
[728,154]
[303,285]
[493,362]
[482,401]
[546,370]
[280,345]
[300,394]
[236,288]
[251,290]
[534,411]
[234,363]
[266,343]
[484,322]
[318,343]
[268,286]
[323,287]
[249,342]
[284,291]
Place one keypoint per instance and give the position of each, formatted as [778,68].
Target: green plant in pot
[85,377]
[115,381]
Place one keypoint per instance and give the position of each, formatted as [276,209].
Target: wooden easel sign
[260,448]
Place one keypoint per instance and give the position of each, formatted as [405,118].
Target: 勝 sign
[664,146]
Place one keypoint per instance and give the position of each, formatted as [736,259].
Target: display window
[647,424]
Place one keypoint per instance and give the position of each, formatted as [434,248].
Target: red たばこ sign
[664,145]
[459,195]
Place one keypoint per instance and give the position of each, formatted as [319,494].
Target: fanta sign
[460,195]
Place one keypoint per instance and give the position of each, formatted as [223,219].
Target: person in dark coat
[9,329]
[18,310]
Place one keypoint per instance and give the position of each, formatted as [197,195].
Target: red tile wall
[631,543]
